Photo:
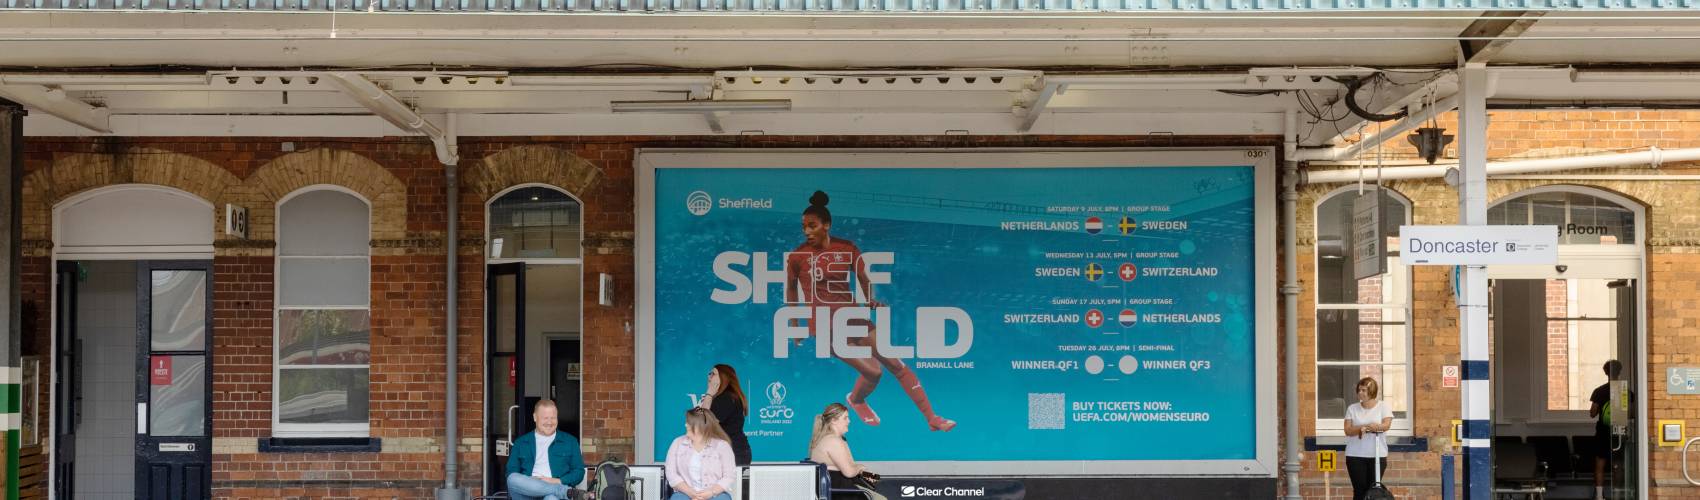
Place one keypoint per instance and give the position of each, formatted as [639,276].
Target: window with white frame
[323,348]
[1362,324]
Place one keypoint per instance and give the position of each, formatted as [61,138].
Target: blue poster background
[947,229]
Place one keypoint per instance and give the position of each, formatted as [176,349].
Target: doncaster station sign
[1478,245]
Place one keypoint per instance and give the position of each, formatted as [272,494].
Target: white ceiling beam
[1489,35]
[55,102]
[512,125]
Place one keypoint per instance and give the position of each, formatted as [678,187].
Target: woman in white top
[1367,422]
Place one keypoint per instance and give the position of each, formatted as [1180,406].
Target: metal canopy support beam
[11,230]
[1473,297]
[1036,109]
[1490,34]
[386,106]
[55,102]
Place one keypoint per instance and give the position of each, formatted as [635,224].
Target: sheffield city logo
[698,203]
[776,412]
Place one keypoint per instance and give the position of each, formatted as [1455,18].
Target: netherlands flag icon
[1094,225]
[1127,318]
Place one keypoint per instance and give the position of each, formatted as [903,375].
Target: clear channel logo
[698,203]
[909,491]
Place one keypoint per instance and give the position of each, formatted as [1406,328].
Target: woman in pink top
[700,464]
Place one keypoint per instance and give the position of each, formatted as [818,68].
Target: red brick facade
[408,291]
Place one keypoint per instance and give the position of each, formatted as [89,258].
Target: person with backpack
[700,464]
[1600,410]
[544,464]
[1366,450]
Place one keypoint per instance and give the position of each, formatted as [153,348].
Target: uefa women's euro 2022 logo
[698,203]
[776,412]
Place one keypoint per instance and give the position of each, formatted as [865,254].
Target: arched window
[535,222]
[1362,323]
[1582,219]
[323,341]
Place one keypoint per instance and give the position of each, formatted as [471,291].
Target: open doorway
[1568,349]
[534,318]
[132,345]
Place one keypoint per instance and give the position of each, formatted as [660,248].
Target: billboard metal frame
[1262,160]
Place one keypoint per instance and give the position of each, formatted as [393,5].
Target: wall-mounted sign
[1369,249]
[1683,380]
[1449,377]
[1478,245]
[1327,460]
[159,370]
[236,221]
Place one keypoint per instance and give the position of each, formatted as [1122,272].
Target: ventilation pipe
[1652,156]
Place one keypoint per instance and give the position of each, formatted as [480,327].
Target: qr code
[1045,410]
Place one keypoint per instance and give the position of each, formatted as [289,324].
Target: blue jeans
[523,487]
[681,496]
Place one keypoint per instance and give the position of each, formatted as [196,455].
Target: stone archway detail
[75,173]
[291,172]
[527,165]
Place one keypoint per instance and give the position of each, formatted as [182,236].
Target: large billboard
[981,312]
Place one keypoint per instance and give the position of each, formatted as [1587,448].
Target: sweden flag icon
[1094,271]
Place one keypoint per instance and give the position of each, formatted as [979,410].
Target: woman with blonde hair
[827,446]
[700,464]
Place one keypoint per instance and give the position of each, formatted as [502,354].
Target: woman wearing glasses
[725,399]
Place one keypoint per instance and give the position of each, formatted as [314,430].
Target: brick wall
[406,187]
[408,268]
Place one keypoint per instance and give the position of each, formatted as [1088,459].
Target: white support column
[1472,303]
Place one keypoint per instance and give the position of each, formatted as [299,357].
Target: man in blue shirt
[543,463]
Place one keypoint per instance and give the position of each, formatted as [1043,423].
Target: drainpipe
[1290,298]
[451,489]
[1652,156]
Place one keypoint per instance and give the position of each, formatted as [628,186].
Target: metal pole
[1472,303]
[1290,300]
[11,230]
[451,238]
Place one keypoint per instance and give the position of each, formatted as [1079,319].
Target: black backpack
[610,481]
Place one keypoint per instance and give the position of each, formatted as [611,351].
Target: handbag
[867,480]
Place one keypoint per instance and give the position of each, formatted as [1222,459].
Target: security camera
[1561,268]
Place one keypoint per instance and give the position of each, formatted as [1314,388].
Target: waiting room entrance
[1567,352]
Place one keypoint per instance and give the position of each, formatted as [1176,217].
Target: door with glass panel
[173,346]
[505,399]
[1564,347]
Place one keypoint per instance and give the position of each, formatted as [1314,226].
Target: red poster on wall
[159,370]
[512,376]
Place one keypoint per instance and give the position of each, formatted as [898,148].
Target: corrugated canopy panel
[852,6]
